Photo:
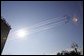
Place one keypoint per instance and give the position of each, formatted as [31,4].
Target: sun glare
[22,33]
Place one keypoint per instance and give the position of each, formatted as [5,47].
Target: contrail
[43,22]
[45,27]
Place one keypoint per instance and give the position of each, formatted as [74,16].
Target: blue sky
[23,14]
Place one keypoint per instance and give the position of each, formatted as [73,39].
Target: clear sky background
[23,14]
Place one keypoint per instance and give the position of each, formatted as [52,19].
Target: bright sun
[21,33]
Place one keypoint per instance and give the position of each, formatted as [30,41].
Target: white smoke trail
[43,22]
[45,27]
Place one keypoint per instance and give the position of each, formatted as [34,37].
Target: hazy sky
[23,14]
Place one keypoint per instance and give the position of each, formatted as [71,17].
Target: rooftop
[4,20]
